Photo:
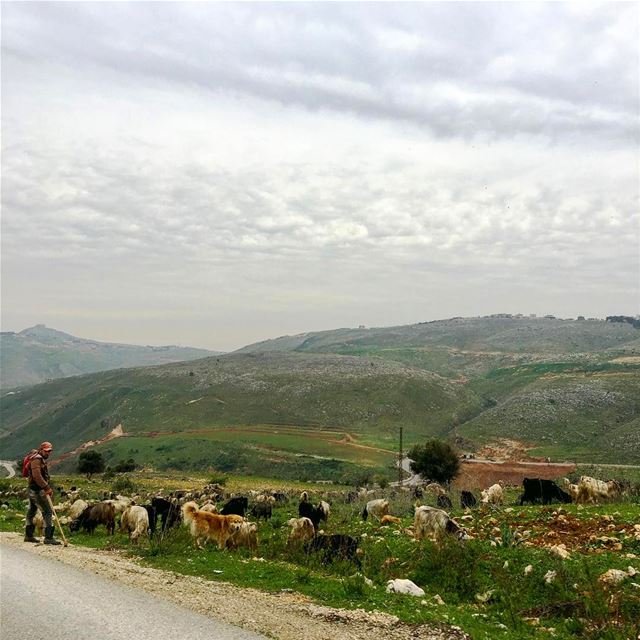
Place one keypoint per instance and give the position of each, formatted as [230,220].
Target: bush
[219,478]
[123,484]
[354,586]
[125,466]
[452,567]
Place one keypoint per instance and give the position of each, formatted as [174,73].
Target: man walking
[39,493]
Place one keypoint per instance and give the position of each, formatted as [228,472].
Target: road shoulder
[285,616]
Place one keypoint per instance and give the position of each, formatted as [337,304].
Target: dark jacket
[38,473]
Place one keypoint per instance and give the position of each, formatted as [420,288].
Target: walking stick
[55,515]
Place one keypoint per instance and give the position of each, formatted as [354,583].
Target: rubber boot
[28,533]
[48,536]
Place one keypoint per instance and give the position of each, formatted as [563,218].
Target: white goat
[376,508]
[301,529]
[493,495]
[135,521]
[435,523]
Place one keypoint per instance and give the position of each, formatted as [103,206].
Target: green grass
[240,455]
[455,572]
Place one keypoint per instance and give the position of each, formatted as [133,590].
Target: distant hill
[315,400]
[323,404]
[503,334]
[39,353]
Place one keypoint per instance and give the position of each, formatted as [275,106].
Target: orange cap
[46,446]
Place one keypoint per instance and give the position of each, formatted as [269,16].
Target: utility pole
[400,458]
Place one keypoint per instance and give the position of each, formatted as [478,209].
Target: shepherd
[35,469]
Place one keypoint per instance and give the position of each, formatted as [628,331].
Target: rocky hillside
[368,396]
[565,389]
[568,388]
[38,354]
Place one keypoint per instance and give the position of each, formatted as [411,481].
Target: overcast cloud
[216,174]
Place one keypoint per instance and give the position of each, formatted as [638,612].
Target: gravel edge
[284,616]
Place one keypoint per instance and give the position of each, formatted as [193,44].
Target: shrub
[219,478]
[125,466]
[451,567]
[122,484]
[354,586]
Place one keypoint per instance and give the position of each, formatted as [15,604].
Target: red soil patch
[595,535]
[480,474]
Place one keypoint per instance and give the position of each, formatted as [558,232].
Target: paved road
[608,466]
[10,467]
[528,463]
[411,480]
[46,600]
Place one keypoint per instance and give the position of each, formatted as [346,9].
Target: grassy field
[282,452]
[318,442]
[482,583]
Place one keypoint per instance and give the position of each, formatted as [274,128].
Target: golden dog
[208,526]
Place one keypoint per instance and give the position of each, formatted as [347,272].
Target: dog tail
[189,510]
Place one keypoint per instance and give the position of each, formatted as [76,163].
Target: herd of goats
[213,514]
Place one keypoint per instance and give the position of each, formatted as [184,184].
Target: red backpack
[26,463]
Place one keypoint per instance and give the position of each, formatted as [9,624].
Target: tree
[435,460]
[90,462]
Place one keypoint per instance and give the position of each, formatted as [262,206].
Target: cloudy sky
[216,174]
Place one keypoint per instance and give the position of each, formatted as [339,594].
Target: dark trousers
[38,500]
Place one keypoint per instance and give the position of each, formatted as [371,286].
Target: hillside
[517,335]
[350,396]
[567,388]
[301,409]
[582,412]
[38,354]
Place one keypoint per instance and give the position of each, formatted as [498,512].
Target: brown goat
[101,513]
